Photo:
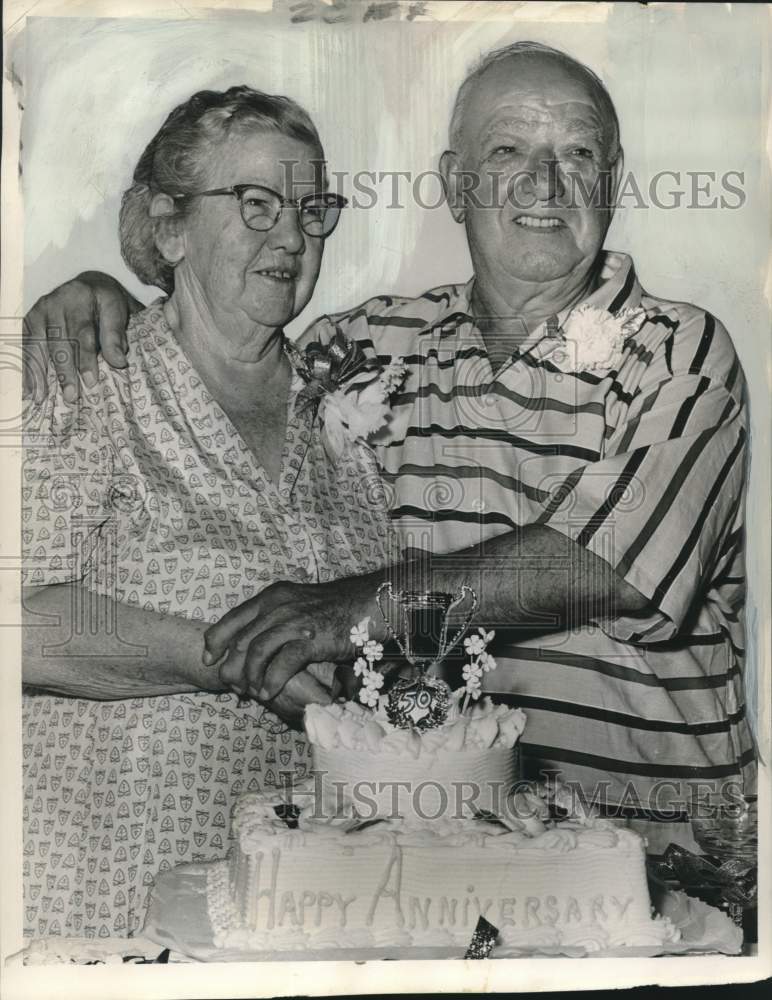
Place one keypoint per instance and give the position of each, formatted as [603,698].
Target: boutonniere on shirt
[349,392]
[594,339]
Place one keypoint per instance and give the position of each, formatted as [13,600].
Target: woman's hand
[316,685]
[277,634]
[299,691]
[130,653]
[71,325]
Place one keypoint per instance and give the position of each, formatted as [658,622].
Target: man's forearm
[533,577]
[80,644]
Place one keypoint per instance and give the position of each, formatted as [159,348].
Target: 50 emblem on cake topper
[421,629]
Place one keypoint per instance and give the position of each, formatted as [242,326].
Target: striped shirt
[643,466]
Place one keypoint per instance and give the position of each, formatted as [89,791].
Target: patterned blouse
[145,491]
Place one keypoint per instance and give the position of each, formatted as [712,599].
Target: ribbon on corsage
[348,391]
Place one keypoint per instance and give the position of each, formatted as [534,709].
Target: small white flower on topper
[480,663]
[360,633]
[594,339]
[370,652]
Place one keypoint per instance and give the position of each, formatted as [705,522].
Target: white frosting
[396,885]
[351,726]
[79,951]
[405,880]
[462,767]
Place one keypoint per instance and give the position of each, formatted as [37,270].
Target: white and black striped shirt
[645,467]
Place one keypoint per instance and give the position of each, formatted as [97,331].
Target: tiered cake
[405,840]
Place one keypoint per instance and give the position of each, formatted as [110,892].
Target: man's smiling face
[542,148]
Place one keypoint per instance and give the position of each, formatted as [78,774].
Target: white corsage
[594,339]
[349,392]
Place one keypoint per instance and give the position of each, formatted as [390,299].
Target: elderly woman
[177,489]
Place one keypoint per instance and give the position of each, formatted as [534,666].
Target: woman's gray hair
[530,49]
[175,163]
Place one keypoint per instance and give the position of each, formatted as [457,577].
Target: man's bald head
[533,172]
[535,51]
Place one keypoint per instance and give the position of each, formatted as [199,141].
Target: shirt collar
[456,310]
[618,289]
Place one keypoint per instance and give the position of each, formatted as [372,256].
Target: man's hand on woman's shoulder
[71,326]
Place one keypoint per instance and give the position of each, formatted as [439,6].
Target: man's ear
[167,228]
[452,184]
[617,171]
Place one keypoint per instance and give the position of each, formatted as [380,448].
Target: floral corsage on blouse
[349,392]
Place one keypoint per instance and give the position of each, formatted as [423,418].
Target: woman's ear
[453,185]
[167,228]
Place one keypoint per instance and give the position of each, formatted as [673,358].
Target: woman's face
[267,277]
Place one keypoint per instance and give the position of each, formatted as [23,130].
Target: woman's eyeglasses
[318,214]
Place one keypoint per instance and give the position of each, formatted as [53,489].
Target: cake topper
[418,704]
[421,629]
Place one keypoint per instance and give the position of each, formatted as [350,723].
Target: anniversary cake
[414,833]
[340,867]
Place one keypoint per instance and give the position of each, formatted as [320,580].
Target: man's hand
[276,635]
[71,325]
[317,685]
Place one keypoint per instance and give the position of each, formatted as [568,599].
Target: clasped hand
[265,645]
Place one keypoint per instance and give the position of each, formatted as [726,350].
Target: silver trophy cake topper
[422,632]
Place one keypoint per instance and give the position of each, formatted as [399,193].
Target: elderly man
[566,443]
